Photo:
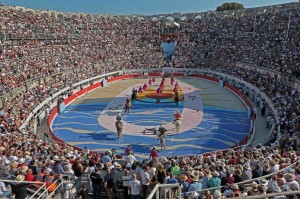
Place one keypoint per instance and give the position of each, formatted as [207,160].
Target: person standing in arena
[162,137]
[127,105]
[153,155]
[119,127]
[176,116]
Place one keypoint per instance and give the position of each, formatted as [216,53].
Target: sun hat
[23,169]
[247,166]
[2,149]
[163,159]
[117,165]
[55,157]
[254,184]
[289,176]
[263,181]
[195,177]
[215,174]
[7,162]
[207,172]
[21,160]
[20,178]
[235,186]
[13,164]
[69,186]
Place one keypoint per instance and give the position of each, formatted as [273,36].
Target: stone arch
[170,18]
[128,18]
[183,18]
[140,18]
[155,19]
[198,17]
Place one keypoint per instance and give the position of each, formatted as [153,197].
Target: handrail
[29,182]
[155,189]
[20,182]
[52,193]
[46,191]
[35,193]
[268,195]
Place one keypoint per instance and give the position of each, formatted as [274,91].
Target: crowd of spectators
[35,45]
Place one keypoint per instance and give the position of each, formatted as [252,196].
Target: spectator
[5,191]
[145,180]
[196,186]
[68,192]
[97,183]
[20,189]
[247,173]
[215,181]
[135,188]
[109,183]
[126,178]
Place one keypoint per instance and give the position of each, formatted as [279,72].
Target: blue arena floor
[219,129]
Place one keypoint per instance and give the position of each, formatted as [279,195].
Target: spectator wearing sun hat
[207,176]
[21,162]
[196,186]
[232,191]
[68,192]
[274,166]
[20,189]
[215,181]
[264,184]
[247,173]
[290,181]
[183,179]
[253,189]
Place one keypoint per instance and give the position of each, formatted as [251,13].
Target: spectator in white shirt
[145,180]
[126,178]
[130,158]
[135,187]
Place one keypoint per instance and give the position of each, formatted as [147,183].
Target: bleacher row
[35,46]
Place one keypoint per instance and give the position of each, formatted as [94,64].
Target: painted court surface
[213,118]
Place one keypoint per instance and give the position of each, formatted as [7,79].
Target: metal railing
[286,193]
[43,186]
[164,186]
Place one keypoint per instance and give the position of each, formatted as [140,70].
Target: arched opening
[170,18]
[141,18]
[184,18]
[155,19]
[198,17]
